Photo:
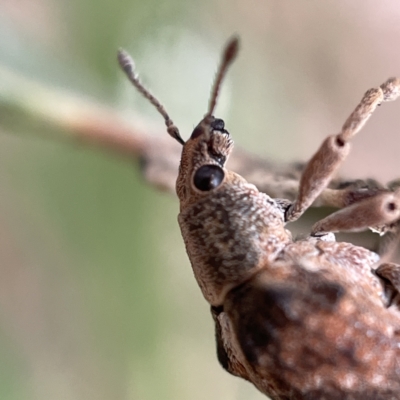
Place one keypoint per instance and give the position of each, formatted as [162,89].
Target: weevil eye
[208,177]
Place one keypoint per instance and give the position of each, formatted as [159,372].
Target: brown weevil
[301,319]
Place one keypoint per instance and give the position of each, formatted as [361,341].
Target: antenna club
[231,49]
[126,62]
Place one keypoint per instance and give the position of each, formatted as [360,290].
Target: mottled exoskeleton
[306,319]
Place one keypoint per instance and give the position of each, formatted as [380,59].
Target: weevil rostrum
[301,319]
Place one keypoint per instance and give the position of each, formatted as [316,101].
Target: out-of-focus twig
[63,116]
[60,115]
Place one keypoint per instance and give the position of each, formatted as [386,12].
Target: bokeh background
[97,298]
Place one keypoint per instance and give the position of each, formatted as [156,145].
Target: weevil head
[204,155]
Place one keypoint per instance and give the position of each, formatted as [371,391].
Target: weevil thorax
[230,229]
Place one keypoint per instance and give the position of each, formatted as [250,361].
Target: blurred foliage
[97,299]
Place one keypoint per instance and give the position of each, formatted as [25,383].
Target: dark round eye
[208,177]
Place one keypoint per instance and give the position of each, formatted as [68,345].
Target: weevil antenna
[128,66]
[229,55]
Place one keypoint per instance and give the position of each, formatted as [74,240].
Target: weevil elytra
[300,319]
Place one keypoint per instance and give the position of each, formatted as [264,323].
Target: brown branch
[160,156]
[70,117]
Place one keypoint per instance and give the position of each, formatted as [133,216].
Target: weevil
[301,319]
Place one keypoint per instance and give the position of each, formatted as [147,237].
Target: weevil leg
[380,210]
[389,240]
[225,347]
[344,194]
[325,162]
[390,276]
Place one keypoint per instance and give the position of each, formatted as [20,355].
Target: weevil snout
[211,140]
[209,126]
[219,126]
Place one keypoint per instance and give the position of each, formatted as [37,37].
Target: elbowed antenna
[229,55]
[127,64]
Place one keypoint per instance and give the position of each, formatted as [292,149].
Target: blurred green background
[97,298]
